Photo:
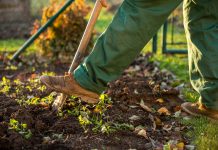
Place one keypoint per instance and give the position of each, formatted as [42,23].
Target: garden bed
[140,110]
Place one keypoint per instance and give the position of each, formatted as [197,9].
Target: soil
[142,81]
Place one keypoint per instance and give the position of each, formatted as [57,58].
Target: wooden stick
[60,100]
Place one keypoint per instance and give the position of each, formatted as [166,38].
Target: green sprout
[48,73]
[11,67]
[42,88]
[5,85]
[90,115]
[21,128]
[84,120]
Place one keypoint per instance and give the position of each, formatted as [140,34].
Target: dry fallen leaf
[138,128]
[96,110]
[133,69]
[143,133]
[160,100]
[177,108]
[158,122]
[145,107]
[33,76]
[136,92]
[190,147]
[177,114]
[13,95]
[132,106]
[167,128]
[151,117]
[134,118]
[46,140]
[163,110]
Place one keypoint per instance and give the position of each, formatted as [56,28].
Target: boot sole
[185,107]
[83,98]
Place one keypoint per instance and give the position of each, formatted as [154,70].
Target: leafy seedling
[21,128]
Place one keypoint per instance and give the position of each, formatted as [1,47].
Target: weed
[11,67]
[42,88]
[29,88]
[17,82]
[91,115]
[21,128]
[123,126]
[36,100]
[5,81]
[84,119]
[5,85]
[48,73]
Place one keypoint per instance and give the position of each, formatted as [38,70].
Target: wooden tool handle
[86,36]
[59,102]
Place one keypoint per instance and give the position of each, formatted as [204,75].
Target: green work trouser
[135,24]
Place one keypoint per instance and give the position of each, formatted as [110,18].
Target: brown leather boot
[197,109]
[67,85]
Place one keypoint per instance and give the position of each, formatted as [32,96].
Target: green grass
[178,64]
[104,20]
[205,133]
[11,45]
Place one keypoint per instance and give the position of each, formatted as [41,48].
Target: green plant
[91,115]
[21,128]
[123,126]
[61,40]
[97,118]
[5,85]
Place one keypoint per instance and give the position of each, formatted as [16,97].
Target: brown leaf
[134,118]
[96,110]
[138,128]
[177,114]
[145,107]
[143,133]
[158,122]
[177,108]
[167,128]
[33,76]
[13,95]
[151,117]
[163,110]
[160,100]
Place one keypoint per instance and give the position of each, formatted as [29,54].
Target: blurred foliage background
[61,40]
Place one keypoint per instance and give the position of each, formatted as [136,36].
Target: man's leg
[201,24]
[133,26]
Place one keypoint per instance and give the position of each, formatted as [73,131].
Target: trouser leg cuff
[82,77]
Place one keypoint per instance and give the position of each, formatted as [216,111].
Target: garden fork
[60,100]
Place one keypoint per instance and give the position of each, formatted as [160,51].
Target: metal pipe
[177,51]
[172,29]
[154,44]
[164,39]
[42,29]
